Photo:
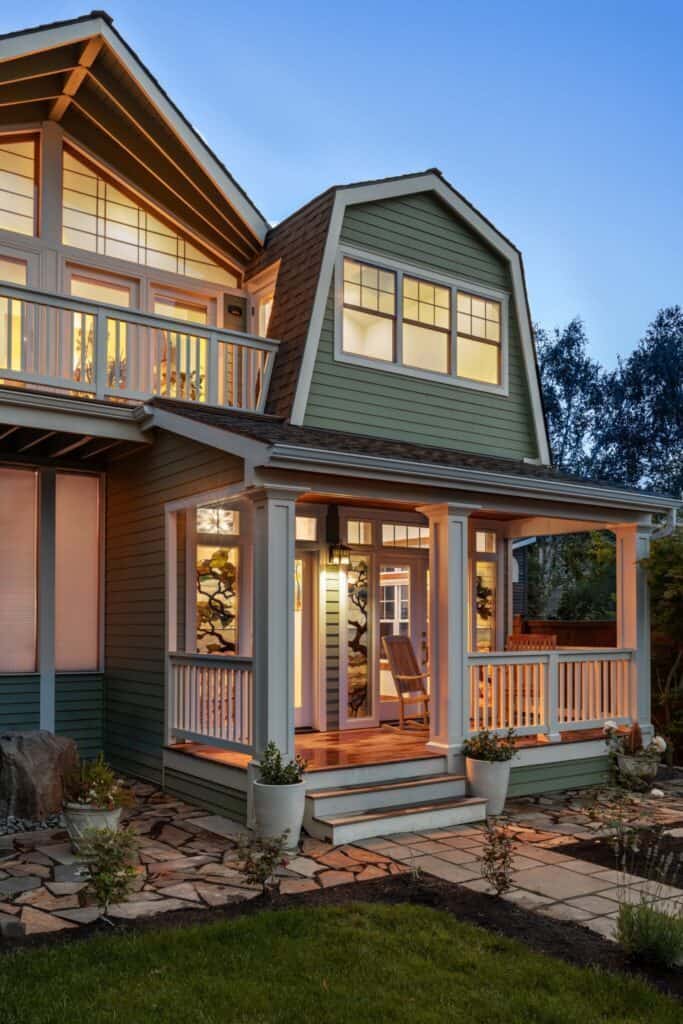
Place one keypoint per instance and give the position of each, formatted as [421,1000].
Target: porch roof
[287,442]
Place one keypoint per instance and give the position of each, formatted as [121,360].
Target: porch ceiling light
[339,554]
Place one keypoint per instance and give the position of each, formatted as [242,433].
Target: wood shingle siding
[420,231]
[135,640]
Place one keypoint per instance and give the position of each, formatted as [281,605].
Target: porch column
[633,615]
[273,617]
[448,619]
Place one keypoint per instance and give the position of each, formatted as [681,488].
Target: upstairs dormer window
[369,311]
[432,328]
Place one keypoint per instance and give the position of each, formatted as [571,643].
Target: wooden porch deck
[356,747]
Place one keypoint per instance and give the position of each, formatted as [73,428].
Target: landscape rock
[33,766]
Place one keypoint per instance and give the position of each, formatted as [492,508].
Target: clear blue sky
[560,121]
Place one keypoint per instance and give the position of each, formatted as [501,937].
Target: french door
[382,595]
[305,647]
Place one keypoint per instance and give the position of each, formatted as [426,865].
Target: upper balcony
[100,351]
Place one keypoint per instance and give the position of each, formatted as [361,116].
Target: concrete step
[327,802]
[367,774]
[382,821]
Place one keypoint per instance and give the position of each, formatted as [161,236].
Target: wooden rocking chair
[410,682]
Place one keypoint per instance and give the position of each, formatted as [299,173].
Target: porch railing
[550,691]
[104,351]
[211,700]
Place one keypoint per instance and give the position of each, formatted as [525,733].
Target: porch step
[382,821]
[338,776]
[326,802]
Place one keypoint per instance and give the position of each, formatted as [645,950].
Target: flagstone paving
[189,860]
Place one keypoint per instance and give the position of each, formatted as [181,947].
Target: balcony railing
[108,351]
[211,700]
[550,691]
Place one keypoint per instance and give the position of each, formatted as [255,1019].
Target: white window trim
[456,284]
[377,516]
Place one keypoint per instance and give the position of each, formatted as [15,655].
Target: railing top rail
[560,653]
[217,660]
[72,304]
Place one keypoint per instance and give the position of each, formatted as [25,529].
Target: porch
[438,574]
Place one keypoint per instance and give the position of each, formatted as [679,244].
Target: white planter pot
[490,780]
[279,809]
[638,767]
[79,818]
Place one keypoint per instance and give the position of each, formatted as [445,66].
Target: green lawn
[363,964]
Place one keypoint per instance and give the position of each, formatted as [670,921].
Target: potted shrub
[487,766]
[94,799]
[634,760]
[279,796]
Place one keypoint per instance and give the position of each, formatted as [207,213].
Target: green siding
[231,803]
[19,703]
[420,231]
[332,603]
[135,642]
[79,710]
[550,778]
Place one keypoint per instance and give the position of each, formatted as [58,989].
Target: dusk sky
[561,122]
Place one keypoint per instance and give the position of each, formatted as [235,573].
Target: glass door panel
[402,602]
[304,641]
[359,690]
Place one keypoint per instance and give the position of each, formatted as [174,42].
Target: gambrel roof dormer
[350,220]
[82,75]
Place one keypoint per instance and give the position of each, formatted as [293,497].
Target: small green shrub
[650,935]
[95,783]
[108,854]
[261,858]
[497,860]
[275,773]
[489,746]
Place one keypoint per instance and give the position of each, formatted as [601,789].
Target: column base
[553,737]
[450,751]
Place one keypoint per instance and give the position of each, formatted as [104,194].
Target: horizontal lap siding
[332,631]
[212,796]
[19,703]
[79,710]
[551,778]
[135,642]
[420,231]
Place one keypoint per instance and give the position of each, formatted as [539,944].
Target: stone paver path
[546,879]
[188,859]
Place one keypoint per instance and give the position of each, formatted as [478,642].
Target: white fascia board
[410,186]
[62,35]
[253,452]
[378,467]
[71,415]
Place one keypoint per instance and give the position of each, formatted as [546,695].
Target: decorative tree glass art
[217,600]
[359,691]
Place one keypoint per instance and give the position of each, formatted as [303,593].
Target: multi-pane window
[426,325]
[479,339]
[18,184]
[359,531]
[403,535]
[369,310]
[407,323]
[485,587]
[306,528]
[100,217]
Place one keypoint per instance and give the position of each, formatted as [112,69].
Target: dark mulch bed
[654,848]
[562,939]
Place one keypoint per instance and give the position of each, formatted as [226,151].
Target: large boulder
[33,766]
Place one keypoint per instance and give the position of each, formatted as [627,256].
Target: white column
[448,621]
[633,615]
[46,598]
[274,517]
